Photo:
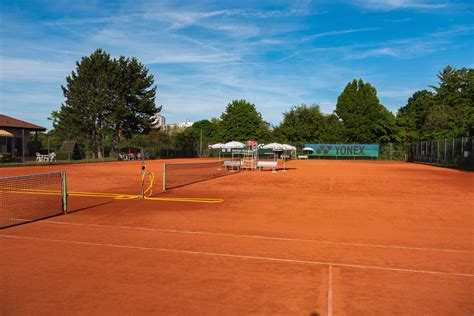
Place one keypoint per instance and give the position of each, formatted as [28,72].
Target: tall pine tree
[106,96]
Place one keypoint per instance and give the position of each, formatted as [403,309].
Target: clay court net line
[180,174]
[116,196]
[34,197]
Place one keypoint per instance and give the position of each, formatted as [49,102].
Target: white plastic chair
[52,157]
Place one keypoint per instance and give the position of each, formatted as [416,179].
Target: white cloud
[385,51]
[341,32]
[20,69]
[402,4]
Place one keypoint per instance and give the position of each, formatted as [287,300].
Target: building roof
[7,121]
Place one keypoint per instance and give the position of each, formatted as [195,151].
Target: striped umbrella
[4,133]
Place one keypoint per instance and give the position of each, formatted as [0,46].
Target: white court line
[174,231]
[330,291]
[227,255]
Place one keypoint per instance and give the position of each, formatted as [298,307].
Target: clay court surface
[323,238]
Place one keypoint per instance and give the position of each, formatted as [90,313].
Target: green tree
[301,124]
[437,123]
[365,119]
[454,96]
[412,117]
[187,142]
[106,96]
[334,131]
[83,112]
[446,112]
[133,102]
[241,122]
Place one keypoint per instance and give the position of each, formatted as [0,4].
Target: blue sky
[203,54]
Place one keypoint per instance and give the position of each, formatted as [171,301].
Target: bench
[303,157]
[232,164]
[271,164]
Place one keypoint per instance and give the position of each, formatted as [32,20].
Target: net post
[142,190]
[164,177]
[64,191]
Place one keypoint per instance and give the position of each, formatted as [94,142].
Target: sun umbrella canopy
[274,146]
[289,147]
[4,133]
[308,149]
[217,146]
[234,144]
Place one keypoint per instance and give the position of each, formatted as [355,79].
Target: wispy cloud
[341,32]
[183,18]
[398,20]
[402,4]
[385,51]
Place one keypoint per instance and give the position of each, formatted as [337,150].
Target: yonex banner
[344,150]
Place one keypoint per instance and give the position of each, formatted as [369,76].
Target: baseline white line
[174,231]
[330,291]
[227,255]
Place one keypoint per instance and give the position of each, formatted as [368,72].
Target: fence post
[445,149]
[426,152]
[437,148]
[431,149]
[452,152]
[164,177]
[23,145]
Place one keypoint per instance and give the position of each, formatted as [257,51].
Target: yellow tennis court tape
[115,196]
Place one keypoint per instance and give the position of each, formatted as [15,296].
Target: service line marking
[330,291]
[175,231]
[227,255]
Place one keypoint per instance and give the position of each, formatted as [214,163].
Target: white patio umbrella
[217,146]
[234,144]
[274,146]
[220,147]
[308,149]
[288,147]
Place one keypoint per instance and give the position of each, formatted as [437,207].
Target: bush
[63,155]
[6,157]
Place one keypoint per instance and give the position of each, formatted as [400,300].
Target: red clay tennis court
[324,238]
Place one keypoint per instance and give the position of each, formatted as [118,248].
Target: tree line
[111,103]
[359,117]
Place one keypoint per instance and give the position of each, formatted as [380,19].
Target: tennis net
[29,198]
[180,174]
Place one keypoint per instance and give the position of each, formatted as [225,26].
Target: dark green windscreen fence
[344,151]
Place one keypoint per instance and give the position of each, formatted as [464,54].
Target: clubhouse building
[15,135]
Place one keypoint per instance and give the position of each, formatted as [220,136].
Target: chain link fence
[453,152]
[44,148]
